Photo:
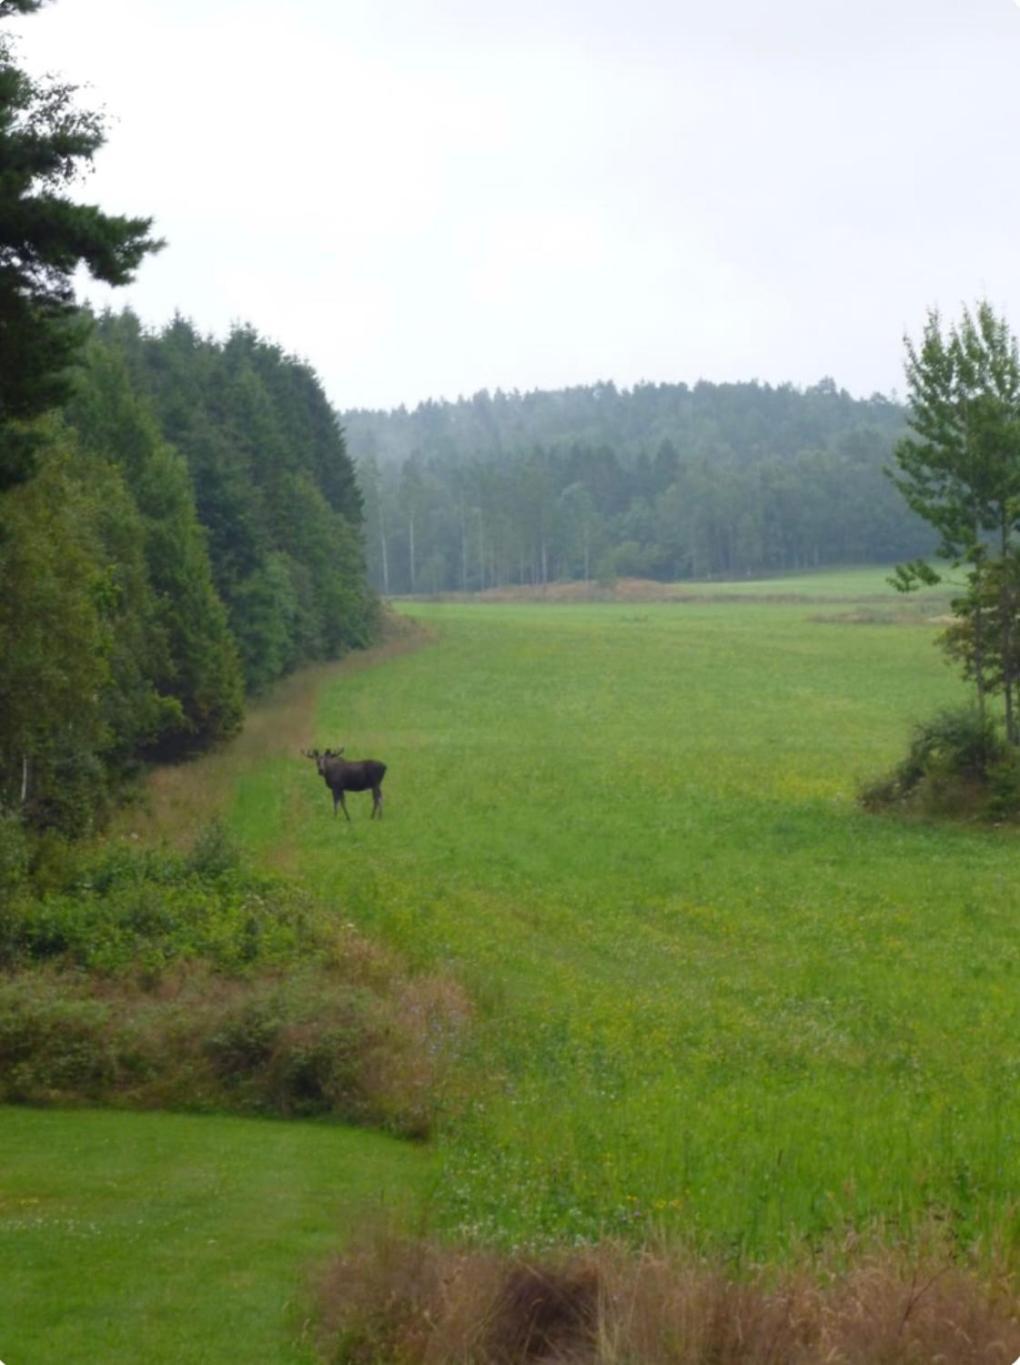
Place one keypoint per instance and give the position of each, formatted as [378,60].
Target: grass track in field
[166,1238]
[718,996]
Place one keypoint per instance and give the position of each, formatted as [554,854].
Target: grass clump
[419,1303]
[958,765]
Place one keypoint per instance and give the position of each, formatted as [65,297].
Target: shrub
[52,1046]
[310,1043]
[120,909]
[957,764]
[151,979]
[958,742]
[215,852]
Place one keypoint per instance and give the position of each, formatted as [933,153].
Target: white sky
[427,197]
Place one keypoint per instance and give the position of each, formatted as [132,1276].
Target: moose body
[342,775]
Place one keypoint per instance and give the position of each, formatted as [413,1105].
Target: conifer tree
[46,142]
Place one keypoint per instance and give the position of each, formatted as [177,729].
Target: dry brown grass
[620,590]
[639,590]
[396,1302]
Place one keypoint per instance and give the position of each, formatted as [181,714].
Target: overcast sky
[428,197]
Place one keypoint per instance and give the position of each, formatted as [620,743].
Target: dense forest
[191,532]
[179,520]
[665,481]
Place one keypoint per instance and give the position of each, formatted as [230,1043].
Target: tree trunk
[384,555]
[1006,626]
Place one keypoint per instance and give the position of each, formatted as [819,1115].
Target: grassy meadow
[716,1005]
[716,999]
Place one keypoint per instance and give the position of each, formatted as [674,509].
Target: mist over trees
[665,481]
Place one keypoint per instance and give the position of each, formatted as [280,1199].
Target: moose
[341,775]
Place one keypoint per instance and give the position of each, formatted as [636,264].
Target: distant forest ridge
[666,481]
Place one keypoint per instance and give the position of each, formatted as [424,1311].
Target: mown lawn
[716,996]
[165,1238]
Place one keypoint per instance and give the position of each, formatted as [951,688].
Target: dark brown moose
[341,776]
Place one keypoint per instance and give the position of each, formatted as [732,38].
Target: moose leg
[343,803]
[376,802]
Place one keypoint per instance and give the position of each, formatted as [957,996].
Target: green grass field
[716,996]
[160,1237]
[715,999]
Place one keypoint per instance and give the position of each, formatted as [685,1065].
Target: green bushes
[142,977]
[50,1044]
[311,1043]
[124,909]
[957,764]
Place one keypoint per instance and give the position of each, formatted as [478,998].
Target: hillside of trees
[191,531]
[664,481]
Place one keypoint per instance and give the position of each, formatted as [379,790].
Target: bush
[309,1044]
[51,1046]
[215,853]
[955,743]
[146,978]
[957,764]
[123,908]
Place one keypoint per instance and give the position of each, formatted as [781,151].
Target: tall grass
[388,1301]
[717,999]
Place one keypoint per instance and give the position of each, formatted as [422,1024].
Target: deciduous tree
[960,470]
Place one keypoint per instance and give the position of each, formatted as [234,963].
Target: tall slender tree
[960,470]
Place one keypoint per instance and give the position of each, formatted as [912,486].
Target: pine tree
[45,144]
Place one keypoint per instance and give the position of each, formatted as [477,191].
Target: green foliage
[121,908]
[312,1044]
[13,867]
[960,471]
[156,979]
[666,481]
[274,487]
[300,1049]
[958,741]
[957,763]
[54,662]
[45,143]
[50,1044]
[136,612]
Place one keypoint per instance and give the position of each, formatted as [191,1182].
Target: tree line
[665,481]
[191,533]
[180,523]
